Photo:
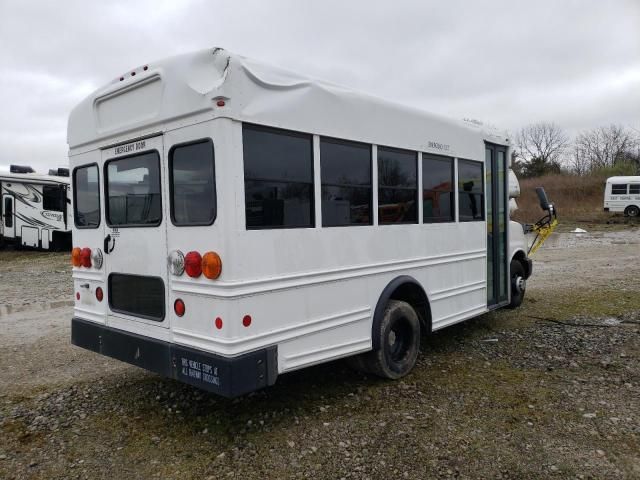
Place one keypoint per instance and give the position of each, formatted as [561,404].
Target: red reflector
[218,323]
[133,74]
[179,307]
[85,257]
[145,68]
[246,320]
[77,295]
[99,294]
[220,103]
[193,264]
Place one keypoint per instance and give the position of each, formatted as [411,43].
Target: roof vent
[59,172]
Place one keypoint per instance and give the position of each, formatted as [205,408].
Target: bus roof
[33,178]
[620,179]
[144,100]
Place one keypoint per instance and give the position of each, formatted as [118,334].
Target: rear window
[86,197]
[137,295]
[133,191]
[193,189]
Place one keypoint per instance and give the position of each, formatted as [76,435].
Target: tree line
[544,147]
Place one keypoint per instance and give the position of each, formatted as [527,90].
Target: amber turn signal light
[75,257]
[211,265]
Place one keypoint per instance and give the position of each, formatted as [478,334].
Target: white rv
[235,221]
[35,210]
[622,194]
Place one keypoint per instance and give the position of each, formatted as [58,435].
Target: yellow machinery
[546,225]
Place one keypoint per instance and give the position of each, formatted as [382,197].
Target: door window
[133,191]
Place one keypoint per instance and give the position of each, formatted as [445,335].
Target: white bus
[235,221]
[35,210]
[622,194]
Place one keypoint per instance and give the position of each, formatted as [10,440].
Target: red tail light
[193,264]
[85,257]
[179,307]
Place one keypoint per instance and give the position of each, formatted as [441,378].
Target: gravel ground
[549,390]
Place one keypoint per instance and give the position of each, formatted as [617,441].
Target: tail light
[85,257]
[179,308]
[211,265]
[75,257]
[193,264]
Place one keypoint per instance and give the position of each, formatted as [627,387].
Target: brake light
[75,257]
[179,308]
[85,257]
[211,265]
[193,264]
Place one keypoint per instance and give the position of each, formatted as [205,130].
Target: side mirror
[544,201]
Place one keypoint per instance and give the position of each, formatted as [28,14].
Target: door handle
[107,242]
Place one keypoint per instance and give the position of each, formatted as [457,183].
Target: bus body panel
[619,202]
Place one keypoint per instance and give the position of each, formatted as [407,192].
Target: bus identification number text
[438,146]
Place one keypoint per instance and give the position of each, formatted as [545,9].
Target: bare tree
[542,146]
[606,146]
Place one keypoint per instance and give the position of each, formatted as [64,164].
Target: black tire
[632,211]
[399,333]
[518,284]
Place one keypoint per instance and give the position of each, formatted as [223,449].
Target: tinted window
[86,197]
[133,190]
[470,191]
[8,212]
[618,189]
[54,197]
[137,295]
[346,183]
[634,189]
[193,189]
[397,186]
[278,178]
[437,189]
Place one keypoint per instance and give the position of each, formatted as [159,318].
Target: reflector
[179,308]
[99,294]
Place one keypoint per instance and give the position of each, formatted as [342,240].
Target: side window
[278,178]
[634,189]
[86,197]
[437,189]
[193,188]
[470,191]
[54,198]
[397,186]
[618,189]
[133,191]
[346,183]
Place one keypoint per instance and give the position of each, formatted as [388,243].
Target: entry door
[8,216]
[135,243]
[497,224]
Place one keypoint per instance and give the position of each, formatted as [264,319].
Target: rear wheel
[399,333]
[632,211]
[518,284]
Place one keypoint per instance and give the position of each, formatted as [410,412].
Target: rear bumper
[226,376]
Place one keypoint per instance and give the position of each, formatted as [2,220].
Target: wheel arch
[521,257]
[628,208]
[407,289]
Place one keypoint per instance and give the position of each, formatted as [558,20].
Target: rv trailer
[34,209]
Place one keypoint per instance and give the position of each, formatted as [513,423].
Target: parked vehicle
[235,221]
[35,209]
[622,194]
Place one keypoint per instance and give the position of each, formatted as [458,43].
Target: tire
[399,333]
[632,211]
[518,284]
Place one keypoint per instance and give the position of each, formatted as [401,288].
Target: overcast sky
[507,63]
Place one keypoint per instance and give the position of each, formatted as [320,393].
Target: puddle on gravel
[571,240]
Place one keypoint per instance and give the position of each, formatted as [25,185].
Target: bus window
[437,189]
[86,193]
[618,189]
[470,191]
[397,186]
[193,189]
[133,191]
[634,189]
[346,183]
[278,178]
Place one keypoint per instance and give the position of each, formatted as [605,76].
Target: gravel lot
[549,390]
